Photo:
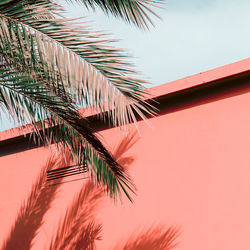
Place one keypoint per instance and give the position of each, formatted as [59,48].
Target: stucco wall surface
[191,169]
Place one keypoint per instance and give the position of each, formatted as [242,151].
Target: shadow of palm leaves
[31,213]
[89,236]
[79,229]
[155,238]
[126,143]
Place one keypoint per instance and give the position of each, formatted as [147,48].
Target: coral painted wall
[191,169]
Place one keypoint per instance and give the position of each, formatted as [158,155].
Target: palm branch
[50,66]
[87,67]
[63,124]
[132,11]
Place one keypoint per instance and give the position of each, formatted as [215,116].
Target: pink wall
[191,170]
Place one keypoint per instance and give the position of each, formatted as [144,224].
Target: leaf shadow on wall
[121,149]
[153,238]
[31,213]
[79,228]
[156,237]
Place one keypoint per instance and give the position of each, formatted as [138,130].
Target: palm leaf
[89,69]
[46,63]
[131,11]
[58,121]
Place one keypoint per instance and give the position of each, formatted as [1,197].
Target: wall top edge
[215,74]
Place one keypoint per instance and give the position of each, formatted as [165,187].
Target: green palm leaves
[131,11]
[50,66]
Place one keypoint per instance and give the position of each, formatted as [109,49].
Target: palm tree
[50,67]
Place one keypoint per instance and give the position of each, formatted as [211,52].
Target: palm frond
[132,11]
[59,121]
[89,69]
[47,62]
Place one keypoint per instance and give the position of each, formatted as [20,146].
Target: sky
[191,37]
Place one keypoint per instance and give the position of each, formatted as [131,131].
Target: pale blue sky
[193,36]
